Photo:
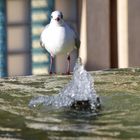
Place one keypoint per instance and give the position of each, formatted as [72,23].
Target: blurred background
[109,32]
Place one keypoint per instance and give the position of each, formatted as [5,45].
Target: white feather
[58,37]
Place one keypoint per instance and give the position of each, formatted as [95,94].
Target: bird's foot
[68,58]
[67,73]
[51,73]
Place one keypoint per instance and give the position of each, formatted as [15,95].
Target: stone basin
[119,90]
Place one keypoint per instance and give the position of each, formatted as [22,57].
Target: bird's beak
[57,19]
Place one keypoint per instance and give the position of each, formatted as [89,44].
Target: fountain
[79,93]
[47,118]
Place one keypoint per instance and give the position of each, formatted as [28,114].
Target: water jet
[79,93]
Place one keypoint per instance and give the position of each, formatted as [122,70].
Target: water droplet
[78,93]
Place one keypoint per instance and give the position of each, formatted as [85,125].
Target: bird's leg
[68,67]
[51,63]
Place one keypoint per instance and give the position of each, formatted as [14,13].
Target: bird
[58,37]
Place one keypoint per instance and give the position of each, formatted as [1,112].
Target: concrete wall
[18,37]
[97,43]
[134,32]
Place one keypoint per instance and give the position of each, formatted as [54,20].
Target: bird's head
[57,17]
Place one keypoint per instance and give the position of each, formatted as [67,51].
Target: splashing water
[79,93]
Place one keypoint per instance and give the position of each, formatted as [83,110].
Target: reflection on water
[118,119]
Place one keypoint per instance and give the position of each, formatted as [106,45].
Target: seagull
[59,38]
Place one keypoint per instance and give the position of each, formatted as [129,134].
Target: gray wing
[77,39]
[41,44]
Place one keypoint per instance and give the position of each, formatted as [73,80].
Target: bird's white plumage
[58,37]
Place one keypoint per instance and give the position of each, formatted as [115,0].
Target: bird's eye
[51,16]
